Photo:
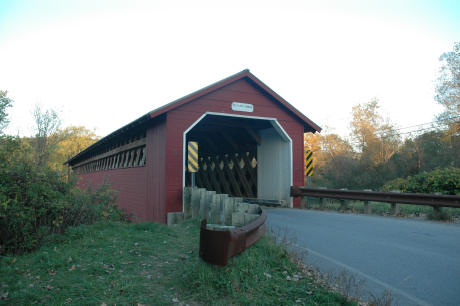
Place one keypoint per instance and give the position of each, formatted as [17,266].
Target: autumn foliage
[375,152]
[38,195]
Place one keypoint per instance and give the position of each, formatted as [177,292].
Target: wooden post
[174,217]
[437,209]
[321,200]
[395,209]
[367,208]
[304,202]
[187,202]
[343,203]
[214,213]
[228,210]
[196,195]
[223,198]
[205,204]
[395,206]
[237,201]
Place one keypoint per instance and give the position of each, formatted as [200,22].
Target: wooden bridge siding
[295,131]
[178,120]
[155,164]
[130,184]
[240,91]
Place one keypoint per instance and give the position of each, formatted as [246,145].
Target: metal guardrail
[218,246]
[435,200]
[263,202]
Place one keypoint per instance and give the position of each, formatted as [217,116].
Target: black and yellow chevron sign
[308,163]
[192,158]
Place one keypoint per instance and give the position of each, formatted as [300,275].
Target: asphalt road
[418,261]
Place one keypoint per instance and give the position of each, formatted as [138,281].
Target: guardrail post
[367,208]
[321,203]
[321,200]
[343,203]
[395,209]
[437,209]
[304,202]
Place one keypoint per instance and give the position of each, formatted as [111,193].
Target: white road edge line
[383,284]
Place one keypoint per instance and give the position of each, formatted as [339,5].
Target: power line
[393,131]
[446,119]
[355,142]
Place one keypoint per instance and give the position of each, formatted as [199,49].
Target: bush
[440,214]
[444,181]
[35,202]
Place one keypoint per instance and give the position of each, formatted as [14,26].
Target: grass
[385,208]
[152,264]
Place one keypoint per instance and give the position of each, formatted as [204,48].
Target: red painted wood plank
[129,184]
[156,164]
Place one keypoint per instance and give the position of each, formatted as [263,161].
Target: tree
[338,162]
[448,89]
[70,141]
[333,160]
[334,146]
[376,137]
[5,102]
[311,142]
[46,123]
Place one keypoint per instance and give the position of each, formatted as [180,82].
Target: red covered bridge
[250,145]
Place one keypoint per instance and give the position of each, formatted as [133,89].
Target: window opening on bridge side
[127,152]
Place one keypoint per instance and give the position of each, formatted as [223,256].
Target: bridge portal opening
[241,156]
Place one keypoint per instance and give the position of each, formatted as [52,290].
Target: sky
[103,64]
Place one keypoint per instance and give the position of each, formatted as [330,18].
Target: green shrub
[35,202]
[440,214]
[444,181]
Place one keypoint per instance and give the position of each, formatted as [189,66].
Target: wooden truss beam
[129,146]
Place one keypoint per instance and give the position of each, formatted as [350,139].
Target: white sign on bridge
[242,107]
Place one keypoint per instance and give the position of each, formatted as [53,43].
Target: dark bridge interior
[227,154]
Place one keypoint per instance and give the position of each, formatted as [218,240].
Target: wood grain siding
[181,118]
[174,160]
[296,133]
[155,165]
[129,184]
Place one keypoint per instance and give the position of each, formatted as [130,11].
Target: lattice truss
[130,153]
[233,174]
[126,159]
